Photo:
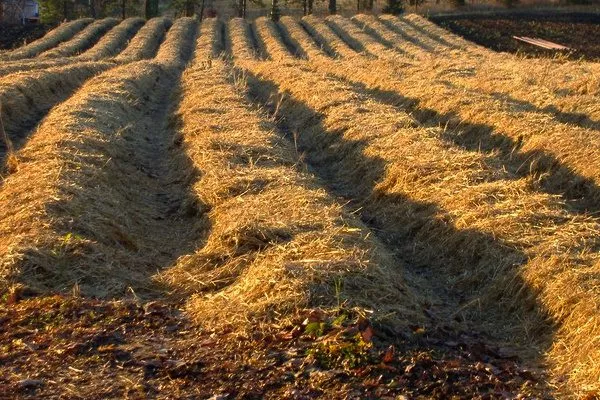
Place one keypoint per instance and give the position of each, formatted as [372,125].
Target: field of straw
[246,172]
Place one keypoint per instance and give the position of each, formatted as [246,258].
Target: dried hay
[178,46]
[301,39]
[278,242]
[59,34]
[99,199]
[327,38]
[447,208]
[82,41]
[115,40]
[270,39]
[27,96]
[146,42]
[240,42]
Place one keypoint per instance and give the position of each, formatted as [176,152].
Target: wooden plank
[541,43]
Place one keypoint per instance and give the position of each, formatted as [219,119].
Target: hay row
[270,39]
[556,75]
[143,46]
[59,34]
[178,45]
[326,38]
[11,67]
[398,40]
[408,25]
[278,241]
[301,39]
[114,41]
[529,142]
[444,208]
[239,41]
[26,97]
[82,41]
[146,42]
[357,38]
[100,197]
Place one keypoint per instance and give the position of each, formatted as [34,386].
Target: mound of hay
[60,34]
[178,46]
[83,40]
[99,199]
[487,237]
[145,43]
[278,242]
[27,96]
[115,40]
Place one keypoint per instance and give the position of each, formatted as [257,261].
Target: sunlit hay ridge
[556,75]
[358,37]
[59,34]
[115,40]
[541,144]
[92,203]
[239,38]
[327,38]
[10,67]
[400,43]
[277,242]
[83,40]
[450,208]
[146,42]
[301,38]
[399,24]
[265,28]
[26,96]
[563,155]
[178,45]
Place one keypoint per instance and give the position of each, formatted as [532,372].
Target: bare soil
[578,32]
[69,347]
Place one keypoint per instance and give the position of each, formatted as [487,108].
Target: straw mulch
[62,33]
[445,208]
[82,41]
[277,242]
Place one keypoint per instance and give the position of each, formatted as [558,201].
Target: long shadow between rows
[582,193]
[418,233]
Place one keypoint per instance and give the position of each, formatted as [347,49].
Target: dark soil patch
[67,347]
[579,32]
[13,36]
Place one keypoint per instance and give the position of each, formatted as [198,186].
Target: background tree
[393,7]
[151,8]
